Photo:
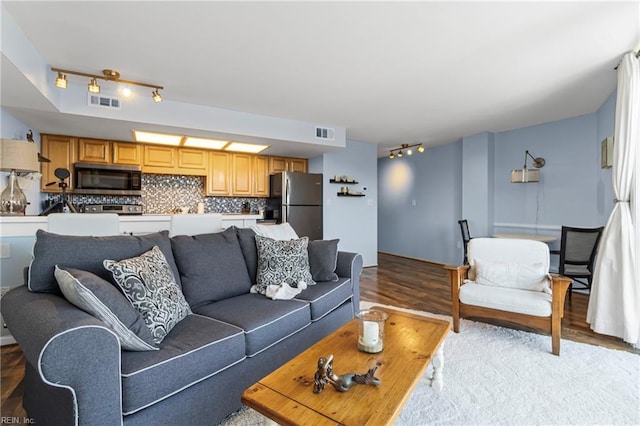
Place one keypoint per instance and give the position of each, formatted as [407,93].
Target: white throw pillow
[521,276]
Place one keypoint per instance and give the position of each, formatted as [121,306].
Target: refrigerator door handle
[286,191]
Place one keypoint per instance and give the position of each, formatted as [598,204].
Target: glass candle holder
[371,330]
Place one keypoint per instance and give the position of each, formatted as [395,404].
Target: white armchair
[509,280]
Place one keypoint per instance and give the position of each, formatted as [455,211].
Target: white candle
[370,333]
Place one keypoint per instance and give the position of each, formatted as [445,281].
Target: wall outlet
[413,203]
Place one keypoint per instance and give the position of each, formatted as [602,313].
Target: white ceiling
[389,72]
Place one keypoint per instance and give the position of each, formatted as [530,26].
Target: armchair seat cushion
[528,302]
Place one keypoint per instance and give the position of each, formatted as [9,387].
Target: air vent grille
[325,133]
[103,101]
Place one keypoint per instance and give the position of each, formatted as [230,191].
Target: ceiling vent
[325,133]
[103,101]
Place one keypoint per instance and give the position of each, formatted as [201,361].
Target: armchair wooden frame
[550,325]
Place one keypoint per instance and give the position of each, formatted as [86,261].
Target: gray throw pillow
[323,259]
[149,284]
[101,299]
[211,265]
[282,261]
[88,253]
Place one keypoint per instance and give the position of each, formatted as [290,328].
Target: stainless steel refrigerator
[296,198]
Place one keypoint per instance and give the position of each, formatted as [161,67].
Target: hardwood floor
[396,281]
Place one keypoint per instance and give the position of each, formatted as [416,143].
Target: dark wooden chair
[578,249]
[466,237]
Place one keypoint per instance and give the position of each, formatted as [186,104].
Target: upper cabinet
[62,151]
[219,176]
[242,172]
[172,160]
[108,152]
[260,176]
[283,164]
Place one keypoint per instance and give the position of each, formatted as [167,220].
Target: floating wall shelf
[342,181]
[340,194]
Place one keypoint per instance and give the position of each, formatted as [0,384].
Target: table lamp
[16,156]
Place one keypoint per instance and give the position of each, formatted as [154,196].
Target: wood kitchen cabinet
[219,176]
[173,160]
[242,174]
[129,153]
[159,159]
[108,152]
[94,151]
[260,176]
[284,164]
[62,151]
[192,162]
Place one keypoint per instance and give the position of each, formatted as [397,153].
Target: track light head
[392,156]
[61,81]
[400,154]
[409,152]
[421,149]
[156,96]
[93,86]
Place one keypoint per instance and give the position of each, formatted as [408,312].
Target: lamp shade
[21,156]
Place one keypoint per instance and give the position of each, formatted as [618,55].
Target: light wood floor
[396,281]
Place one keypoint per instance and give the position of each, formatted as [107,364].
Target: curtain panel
[614,304]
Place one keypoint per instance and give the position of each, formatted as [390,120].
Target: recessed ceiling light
[245,147]
[205,143]
[160,138]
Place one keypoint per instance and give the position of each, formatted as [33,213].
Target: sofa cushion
[536,303]
[523,276]
[265,322]
[88,253]
[197,348]
[323,259]
[247,239]
[282,261]
[324,297]
[211,266]
[101,299]
[148,283]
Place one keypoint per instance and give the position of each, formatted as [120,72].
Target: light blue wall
[353,220]
[428,228]
[471,179]
[478,183]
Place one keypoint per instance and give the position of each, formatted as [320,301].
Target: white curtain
[614,304]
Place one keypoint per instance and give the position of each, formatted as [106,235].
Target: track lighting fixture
[108,75]
[61,81]
[398,152]
[93,86]
[156,96]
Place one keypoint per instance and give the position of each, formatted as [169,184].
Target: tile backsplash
[163,194]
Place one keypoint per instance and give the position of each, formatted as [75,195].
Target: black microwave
[107,179]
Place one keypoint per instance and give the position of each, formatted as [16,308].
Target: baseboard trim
[413,258]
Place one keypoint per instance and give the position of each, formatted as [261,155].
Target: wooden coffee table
[410,343]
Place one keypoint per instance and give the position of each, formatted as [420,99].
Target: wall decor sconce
[398,152]
[108,75]
[526,175]
[606,153]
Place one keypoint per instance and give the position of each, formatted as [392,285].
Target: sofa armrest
[350,266]
[69,349]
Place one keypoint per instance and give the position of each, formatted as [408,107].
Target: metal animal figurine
[325,374]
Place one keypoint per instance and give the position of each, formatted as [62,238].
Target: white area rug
[495,375]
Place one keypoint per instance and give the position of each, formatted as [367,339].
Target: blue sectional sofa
[77,372]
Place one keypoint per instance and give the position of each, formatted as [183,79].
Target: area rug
[495,375]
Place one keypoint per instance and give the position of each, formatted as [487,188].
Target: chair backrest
[578,246]
[464,228]
[194,224]
[507,250]
[90,224]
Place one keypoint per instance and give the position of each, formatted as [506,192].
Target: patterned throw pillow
[282,261]
[149,284]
